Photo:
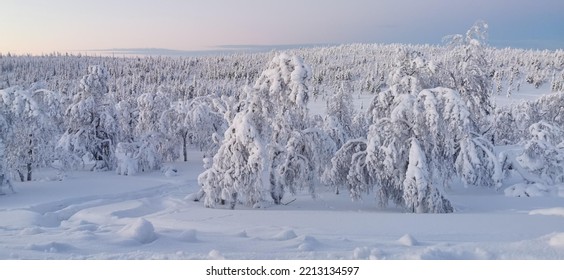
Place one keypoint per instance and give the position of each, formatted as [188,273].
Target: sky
[41,27]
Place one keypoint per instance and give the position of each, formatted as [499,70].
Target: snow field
[156,221]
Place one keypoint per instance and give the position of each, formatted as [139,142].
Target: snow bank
[308,243]
[556,211]
[141,230]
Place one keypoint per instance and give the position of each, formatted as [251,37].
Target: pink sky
[38,26]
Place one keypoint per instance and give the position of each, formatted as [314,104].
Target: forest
[432,121]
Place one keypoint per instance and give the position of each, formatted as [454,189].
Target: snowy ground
[148,216]
[100,215]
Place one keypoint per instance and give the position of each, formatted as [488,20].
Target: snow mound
[188,236]
[557,240]
[285,235]
[365,253]
[51,247]
[556,211]
[408,240]
[308,243]
[169,171]
[527,190]
[141,230]
[215,255]
[376,254]
[31,231]
[361,253]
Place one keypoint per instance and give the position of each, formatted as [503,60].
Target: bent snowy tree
[247,167]
[408,154]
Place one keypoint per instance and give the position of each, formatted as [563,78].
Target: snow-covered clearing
[100,215]
[400,129]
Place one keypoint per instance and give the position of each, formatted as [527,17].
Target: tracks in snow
[150,202]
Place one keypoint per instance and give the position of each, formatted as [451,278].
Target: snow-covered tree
[171,124]
[91,122]
[144,151]
[336,175]
[206,122]
[435,122]
[4,180]
[246,166]
[411,72]
[465,69]
[544,153]
[339,119]
[150,105]
[240,168]
[29,131]
[476,163]
[505,129]
[558,82]
[299,165]
[283,87]
[419,195]
[512,123]
[139,156]
[127,116]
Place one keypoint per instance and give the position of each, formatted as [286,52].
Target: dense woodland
[432,120]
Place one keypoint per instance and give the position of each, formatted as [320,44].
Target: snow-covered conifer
[91,122]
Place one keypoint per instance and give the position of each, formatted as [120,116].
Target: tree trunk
[28,166]
[29,171]
[184,146]
[20,174]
